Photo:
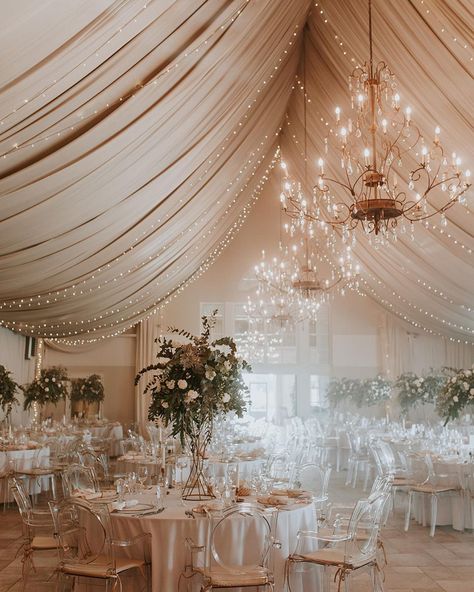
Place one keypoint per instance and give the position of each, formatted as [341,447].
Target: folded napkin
[86,493]
[125,504]
[210,505]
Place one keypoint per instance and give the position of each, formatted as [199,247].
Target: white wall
[114,360]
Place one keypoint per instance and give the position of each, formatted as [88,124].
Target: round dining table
[170,528]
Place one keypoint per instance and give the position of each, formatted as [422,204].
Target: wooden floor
[416,562]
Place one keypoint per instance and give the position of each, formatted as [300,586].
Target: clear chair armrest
[191,545]
[132,541]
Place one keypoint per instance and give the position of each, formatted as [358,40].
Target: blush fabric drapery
[134,137]
[130,149]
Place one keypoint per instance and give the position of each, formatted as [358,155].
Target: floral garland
[456,395]
[90,389]
[194,382]
[361,392]
[49,388]
[8,388]
[416,390]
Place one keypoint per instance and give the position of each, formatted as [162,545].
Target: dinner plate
[136,509]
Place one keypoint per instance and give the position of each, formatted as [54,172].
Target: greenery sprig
[8,388]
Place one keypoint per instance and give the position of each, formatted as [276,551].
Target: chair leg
[367,475]
[408,511]
[434,513]
[354,477]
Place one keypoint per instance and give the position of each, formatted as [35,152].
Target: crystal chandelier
[388,170]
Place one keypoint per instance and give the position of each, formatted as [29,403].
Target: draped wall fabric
[147,332]
[139,140]
[134,135]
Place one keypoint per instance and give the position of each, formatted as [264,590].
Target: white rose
[182,384]
[163,360]
[210,374]
[46,379]
[193,395]
[471,391]
[170,384]
[455,398]
[227,365]
[465,386]
[453,379]
[225,398]
[468,372]
[46,388]
[164,404]
[53,379]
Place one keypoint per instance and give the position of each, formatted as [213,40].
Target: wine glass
[142,475]
[182,462]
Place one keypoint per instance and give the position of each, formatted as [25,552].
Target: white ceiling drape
[140,139]
[135,135]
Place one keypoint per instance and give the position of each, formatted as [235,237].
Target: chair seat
[331,556]
[402,481]
[44,542]
[100,568]
[434,488]
[35,472]
[248,575]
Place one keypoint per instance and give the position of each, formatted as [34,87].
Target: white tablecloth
[170,529]
[23,460]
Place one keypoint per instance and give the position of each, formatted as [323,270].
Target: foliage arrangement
[341,389]
[416,390]
[196,381]
[49,388]
[363,393]
[8,388]
[457,393]
[373,391]
[90,389]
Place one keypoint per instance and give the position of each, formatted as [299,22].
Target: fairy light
[76,289]
[35,408]
[170,68]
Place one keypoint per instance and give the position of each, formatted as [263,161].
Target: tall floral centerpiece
[8,388]
[50,387]
[456,395]
[192,384]
[89,390]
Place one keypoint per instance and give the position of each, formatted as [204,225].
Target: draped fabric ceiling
[135,136]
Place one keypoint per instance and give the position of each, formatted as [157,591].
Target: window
[318,386]
[272,396]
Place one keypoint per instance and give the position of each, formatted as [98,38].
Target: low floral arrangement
[51,387]
[8,388]
[196,381]
[90,389]
[456,395]
[416,390]
[361,392]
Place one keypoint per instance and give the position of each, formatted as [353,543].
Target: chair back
[97,461]
[77,477]
[364,526]
[84,534]
[315,479]
[255,546]
[22,499]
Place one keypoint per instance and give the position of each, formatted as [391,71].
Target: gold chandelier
[388,170]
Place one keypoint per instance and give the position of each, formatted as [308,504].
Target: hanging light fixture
[388,170]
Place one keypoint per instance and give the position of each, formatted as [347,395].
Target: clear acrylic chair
[314,479]
[88,549]
[38,531]
[433,486]
[358,460]
[346,552]
[77,478]
[246,564]
[36,472]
